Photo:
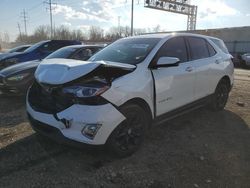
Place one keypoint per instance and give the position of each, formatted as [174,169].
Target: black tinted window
[174,47]
[53,46]
[198,47]
[211,49]
[85,54]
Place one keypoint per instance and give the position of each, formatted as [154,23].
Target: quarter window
[198,48]
[211,50]
[174,47]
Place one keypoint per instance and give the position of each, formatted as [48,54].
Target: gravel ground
[199,149]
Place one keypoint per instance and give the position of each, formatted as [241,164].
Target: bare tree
[157,28]
[6,37]
[96,33]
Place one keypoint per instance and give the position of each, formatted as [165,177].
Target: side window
[84,54]
[174,47]
[53,46]
[198,48]
[57,45]
[221,45]
[211,49]
[45,47]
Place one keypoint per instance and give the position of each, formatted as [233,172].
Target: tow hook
[67,123]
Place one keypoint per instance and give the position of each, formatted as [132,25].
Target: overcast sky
[104,13]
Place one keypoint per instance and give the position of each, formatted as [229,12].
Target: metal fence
[238,47]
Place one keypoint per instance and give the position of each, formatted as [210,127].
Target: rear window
[220,44]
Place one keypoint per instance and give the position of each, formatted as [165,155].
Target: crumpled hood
[60,71]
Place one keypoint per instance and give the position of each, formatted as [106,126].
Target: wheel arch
[143,104]
[226,79]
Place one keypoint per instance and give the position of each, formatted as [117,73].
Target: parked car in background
[19,48]
[36,52]
[16,49]
[16,79]
[245,60]
[113,98]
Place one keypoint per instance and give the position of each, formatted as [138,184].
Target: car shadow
[35,149]
[12,111]
[195,146]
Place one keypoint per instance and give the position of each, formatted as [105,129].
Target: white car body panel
[59,71]
[202,71]
[139,84]
[174,86]
[106,115]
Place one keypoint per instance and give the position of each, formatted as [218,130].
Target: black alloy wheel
[129,135]
[220,96]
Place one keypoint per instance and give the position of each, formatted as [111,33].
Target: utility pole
[24,16]
[19,29]
[51,21]
[51,26]
[132,18]
[119,25]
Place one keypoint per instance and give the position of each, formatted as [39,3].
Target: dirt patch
[199,149]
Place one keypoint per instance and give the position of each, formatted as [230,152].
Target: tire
[129,135]
[220,97]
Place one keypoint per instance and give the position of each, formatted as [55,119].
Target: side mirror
[167,62]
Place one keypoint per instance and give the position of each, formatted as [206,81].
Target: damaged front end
[76,104]
[48,97]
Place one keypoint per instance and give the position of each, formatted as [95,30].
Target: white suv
[114,97]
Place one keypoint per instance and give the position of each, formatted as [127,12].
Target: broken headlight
[85,91]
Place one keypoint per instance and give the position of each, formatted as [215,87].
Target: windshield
[62,53]
[129,51]
[35,46]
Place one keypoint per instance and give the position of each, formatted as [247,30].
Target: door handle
[189,69]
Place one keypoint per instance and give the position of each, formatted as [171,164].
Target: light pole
[132,18]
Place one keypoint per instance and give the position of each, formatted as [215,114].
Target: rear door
[174,86]
[202,57]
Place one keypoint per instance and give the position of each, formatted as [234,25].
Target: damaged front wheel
[129,135]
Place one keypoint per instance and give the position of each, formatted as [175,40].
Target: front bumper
[79,115]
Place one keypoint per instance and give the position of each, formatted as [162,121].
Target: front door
[174,86]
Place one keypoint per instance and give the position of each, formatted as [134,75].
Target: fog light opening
[90,130]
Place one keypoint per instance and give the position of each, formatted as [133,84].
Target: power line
[24,16]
